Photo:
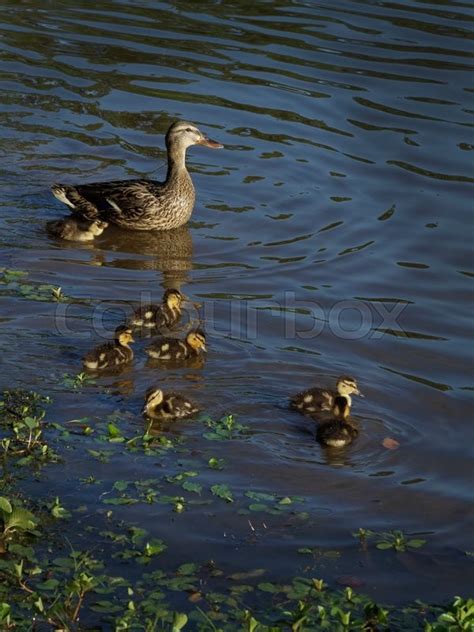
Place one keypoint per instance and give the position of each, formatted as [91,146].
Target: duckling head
[124,336]
[173,298]
[185,134]
[341,408]
[197,340]
[98,227]
[347,385]
[153,397]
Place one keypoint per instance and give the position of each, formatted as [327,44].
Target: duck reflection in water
[169,252]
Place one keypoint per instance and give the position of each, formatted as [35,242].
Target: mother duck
[143,204]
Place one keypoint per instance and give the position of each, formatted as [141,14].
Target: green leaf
[20,519]
[114,431]
[120,486]
[416,543]
[49,584]
[268,587]
[179,621]
[187,569]
[216,464]
[192,487]
[258,507]
[222,491]
[5,505]
[384,545]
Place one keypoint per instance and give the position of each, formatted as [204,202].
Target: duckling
[111,355]
[316,400]
[174,349]
[76,230]
[157,316]
[339,431]
[143,204]
[167,406]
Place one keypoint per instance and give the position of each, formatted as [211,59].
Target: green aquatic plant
[78,381]
[14,519]
[22,426]
[394,539]
[224,429]
[14,282]
[458,617]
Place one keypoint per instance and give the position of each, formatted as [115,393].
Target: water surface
[329,237]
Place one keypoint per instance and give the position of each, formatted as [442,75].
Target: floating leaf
[260,496]
[256,572]
[268,587]
[258,507]
[384,545]
[216,464]
[390,444]
[222,491]
[416,543]
[187,569]
[192,487]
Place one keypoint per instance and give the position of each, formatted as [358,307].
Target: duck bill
[357,392]
[208,142]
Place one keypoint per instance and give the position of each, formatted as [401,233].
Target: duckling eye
[189,129]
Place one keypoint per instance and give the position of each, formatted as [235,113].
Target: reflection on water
[345,182]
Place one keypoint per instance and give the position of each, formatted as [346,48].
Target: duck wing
[113,201]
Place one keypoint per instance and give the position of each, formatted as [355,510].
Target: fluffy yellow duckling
[174,349]
[157,316]
[316,400]
[111,355]
[167,406]
[76,230]
[339,431]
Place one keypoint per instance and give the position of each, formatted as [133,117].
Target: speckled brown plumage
[162,406]
[315,400]
[340,430]
[172,349]
[143,204]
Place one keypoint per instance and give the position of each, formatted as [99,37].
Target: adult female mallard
[339,431]
[167,406]
[143,204]
[315,400]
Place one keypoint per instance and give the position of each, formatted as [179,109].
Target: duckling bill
[111,355]
[315,400]
[167,349]
[143,204]
[162,406]
[158,316]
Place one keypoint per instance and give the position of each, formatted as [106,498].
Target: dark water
[331,235]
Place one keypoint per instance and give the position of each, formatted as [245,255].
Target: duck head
[347,386]
[185,134]
[123,335]
[153,398]
[173,298]
[197,340]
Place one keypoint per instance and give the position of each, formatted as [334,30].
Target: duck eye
[189,129]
